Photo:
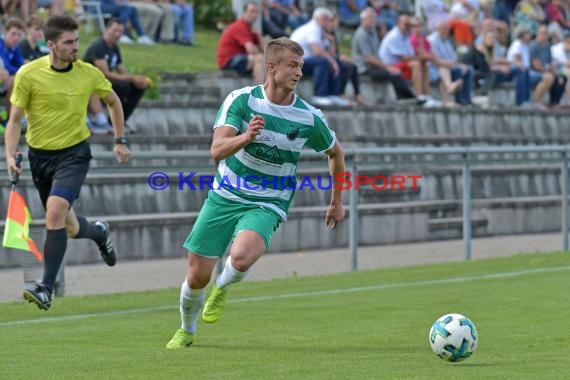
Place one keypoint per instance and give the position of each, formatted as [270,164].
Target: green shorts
[220,220]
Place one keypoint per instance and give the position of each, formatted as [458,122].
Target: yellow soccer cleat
[215,304]
[181,339]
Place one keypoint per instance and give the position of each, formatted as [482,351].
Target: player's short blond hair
[275,48]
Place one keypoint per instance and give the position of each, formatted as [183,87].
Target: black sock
[89,231]
[54,250]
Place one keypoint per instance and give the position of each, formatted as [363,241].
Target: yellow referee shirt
[55,102]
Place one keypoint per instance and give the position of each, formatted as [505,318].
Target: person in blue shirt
[9,50]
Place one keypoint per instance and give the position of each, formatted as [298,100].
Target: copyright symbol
[158,181]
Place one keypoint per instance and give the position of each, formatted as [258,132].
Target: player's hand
[256,124]
[12,168]
[122,153]
[335,214]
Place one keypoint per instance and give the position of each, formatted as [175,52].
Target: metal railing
[370,158]
[358,160]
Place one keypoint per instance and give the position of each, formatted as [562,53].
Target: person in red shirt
[241,47]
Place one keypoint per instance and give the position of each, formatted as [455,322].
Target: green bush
[209,13]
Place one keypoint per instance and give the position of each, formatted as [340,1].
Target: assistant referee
[53,92]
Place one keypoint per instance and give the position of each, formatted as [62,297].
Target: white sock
[191,301]
[229,275]
[100,118]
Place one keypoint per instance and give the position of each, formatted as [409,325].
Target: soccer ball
[453,337]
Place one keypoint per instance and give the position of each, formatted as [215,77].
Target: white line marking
[114,313]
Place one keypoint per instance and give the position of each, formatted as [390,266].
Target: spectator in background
[350,11]
[387,12]
[183,21]
[126,13]
[530,14]
[541,64]
[519,56]
[318,63]
[556,15]
[26,8]
[348,70]
[286,14]
[152,16]
[395,50]
[106,55]
[447,60]
[241,47]
[9,50]
[34,45]
[365,45]
[501,70]
[269,26]
[561,60]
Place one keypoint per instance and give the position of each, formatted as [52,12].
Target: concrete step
[452,227]
[160,235]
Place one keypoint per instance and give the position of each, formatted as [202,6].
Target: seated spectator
[530,14]
[286,14]
[34,45]
[241,47]
[9,50]
[541,65]
[518,55]
[125,13]
[350,11]
[318,63]
[365,45]
[387,12]
[183,21]
[561,61]
[10,8]
[347,67]
[106,55]
[268,25]
[556,15]
[395,50]
[152,16]
[446,58]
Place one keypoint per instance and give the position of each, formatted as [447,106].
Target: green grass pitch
[361,325]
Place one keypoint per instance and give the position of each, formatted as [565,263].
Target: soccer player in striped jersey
[258,136]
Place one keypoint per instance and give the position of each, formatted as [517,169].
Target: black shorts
[60,172]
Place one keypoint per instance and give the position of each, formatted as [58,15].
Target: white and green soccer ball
[453,337]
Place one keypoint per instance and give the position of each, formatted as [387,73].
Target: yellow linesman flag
[17,229]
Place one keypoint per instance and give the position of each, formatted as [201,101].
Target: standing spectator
[519,55]
[365,45]
[320,64]
[125,13]
[541,64]
[396,51]
[106,55]
[446,57]
[241,47]
[34,45]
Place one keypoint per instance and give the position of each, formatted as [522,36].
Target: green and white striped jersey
[263,172]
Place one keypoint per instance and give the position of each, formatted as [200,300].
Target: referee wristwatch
[121,140]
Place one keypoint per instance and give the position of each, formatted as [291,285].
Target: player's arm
[122,152]
[227,142]
[335,212]
[12,138]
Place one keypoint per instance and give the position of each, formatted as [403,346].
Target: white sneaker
[126,39]
[432,103]
[322,101]
[145,40]
[339,101]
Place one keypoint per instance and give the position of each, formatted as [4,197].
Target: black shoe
[39,294]
[107,249]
